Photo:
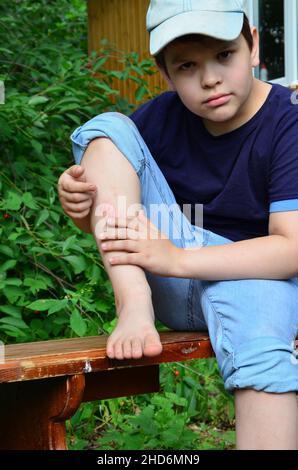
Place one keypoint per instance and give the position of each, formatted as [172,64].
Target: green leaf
[8,265]
[13,293]
[14,322]
[44,215]
[12,281]
[35,100]
[6,250]
[77,262]
[69,243]
[11,310]
[36,145]
[34,284]
[57,306]
[13,202]
[29,200]
[52,305]
[140,93]
[12,331]
[77,323]
[42,304]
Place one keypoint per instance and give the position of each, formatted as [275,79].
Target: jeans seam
[221,321]
[207,237]
[190,321]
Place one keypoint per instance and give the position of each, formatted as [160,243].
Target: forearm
[271,257]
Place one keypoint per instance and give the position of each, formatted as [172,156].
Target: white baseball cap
[170,19]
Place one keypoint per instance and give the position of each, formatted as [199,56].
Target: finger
[76,171]
[73,186]
[120,245]
[119,234]
[76,197]
[81,207]
[78,215]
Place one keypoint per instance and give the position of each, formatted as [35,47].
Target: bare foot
[135,334]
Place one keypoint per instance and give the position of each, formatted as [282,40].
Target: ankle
[131,296]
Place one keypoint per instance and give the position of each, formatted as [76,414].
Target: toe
[118,349]
[110,349]
[152,345]
[127,349]
[137,350]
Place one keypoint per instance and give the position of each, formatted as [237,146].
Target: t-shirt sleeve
[283,174]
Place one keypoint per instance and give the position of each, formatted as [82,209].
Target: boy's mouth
[217,100]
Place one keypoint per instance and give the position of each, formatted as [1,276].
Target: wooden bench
[42,384]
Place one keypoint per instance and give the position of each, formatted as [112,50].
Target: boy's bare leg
[266,421]
[135,334]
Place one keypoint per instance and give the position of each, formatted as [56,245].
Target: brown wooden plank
[84,355]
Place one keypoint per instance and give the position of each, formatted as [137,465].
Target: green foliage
[160,425]
[52,281]
[193,411]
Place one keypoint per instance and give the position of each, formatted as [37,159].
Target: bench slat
[29,361]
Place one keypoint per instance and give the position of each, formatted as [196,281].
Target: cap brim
[220,25]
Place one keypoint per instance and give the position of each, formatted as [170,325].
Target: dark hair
[246,32]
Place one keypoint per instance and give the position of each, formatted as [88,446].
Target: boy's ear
[255,53]
[166,78]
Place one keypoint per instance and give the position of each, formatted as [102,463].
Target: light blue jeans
[252,323]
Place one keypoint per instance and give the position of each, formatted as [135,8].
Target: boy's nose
[210,77]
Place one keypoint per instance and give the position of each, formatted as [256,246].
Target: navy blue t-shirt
[239,177]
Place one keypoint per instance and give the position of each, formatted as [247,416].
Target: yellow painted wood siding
[123,23]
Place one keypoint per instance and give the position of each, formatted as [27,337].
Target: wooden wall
[123,23]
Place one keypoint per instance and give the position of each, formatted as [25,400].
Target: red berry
[177,373]
[36,312]
[6,216]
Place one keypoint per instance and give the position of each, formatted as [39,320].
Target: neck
[257,97]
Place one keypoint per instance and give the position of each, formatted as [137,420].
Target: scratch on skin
[87,367]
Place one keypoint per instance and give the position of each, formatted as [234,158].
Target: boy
[225,140]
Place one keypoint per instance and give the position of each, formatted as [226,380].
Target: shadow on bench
[42,384]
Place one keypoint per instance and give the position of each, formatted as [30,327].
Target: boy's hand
[142,245]
[75,194]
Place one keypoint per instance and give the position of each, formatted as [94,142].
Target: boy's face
[200,70]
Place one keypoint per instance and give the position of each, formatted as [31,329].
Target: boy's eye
[186,66]
[225,54]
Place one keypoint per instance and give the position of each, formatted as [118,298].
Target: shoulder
[284,105]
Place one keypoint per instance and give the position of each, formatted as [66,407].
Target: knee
[264,364]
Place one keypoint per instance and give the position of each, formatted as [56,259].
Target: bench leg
[33,413]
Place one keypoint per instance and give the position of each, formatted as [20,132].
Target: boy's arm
[271,257]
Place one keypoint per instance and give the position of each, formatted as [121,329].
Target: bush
[52,280]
